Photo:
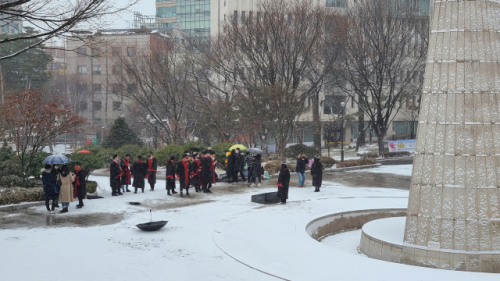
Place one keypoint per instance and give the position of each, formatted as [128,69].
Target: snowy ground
[219,236]
[404,170]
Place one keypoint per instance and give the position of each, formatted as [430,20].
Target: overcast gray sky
[146,7]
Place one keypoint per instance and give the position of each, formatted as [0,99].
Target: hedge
[17,195]
[358,162]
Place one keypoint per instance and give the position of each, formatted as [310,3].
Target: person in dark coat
[248,162]
[300,168]
[213,175]
[139,172]
[125,179]
[115,172]
[182,173]
[256,170]
[241,166]
[80,184]
[231,159]
[206,164]
[152,167]
[317,173]
[195,172]
[171,176]
[283,182]
[237,164]
[49,187]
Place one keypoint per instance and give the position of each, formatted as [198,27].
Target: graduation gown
[283,183]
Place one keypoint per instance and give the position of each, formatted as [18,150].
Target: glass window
[117,69]
[96,87]
[117,106]
[81,51]
[97,105]
[82,69]
[83,105]
[131,51]
[96,69]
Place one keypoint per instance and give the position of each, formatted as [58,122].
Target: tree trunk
[316,120]
[380,139]
[360,141]
[263,143]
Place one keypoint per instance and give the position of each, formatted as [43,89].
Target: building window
[81,51]
[96,87]
[83,106]
[331,104]
[96,52]
[82,69]
[131,51]
[117,106]
[116,88]
[116,51]
[117,69]
[97,105]
[243,17]
[96,69]
[131,88]
[235,17]
[337,3]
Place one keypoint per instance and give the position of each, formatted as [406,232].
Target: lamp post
[342,107]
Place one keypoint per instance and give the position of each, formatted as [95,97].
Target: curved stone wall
[346,221]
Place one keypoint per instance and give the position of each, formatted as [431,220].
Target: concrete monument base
[383,239]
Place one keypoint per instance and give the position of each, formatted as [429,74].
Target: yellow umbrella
[238,146]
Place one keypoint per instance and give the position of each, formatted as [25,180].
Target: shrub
[397,154]
[358,162]
[133,149]
[6,152]
[120,134]
[91,186]
[327,162]
[293,151]
[89,161]
[19,194]
[367,154]
[194,146]
[10,181]
[273,167]
[163,154]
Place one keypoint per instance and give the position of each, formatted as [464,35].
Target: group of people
[300,168]
[236,163]
[191,171]
[61,185]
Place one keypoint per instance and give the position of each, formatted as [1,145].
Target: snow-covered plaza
[219,236]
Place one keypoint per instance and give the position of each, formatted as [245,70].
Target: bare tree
[158,79]
[272,60]
[54,18]
[384,60]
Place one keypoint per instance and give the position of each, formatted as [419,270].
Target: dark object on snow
[94,197]
[152,226]
[134,203]
[266,198]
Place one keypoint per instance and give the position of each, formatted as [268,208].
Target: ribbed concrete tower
[455,186]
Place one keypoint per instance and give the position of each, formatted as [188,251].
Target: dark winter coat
[206,169]
[195,172]
[115,172]
[257,170]
[170,175]
[139,171]
[283,182]
[81,189]
[49,183]
[317,173]
[182,172]
[125,165]
[238,162]
[231,162]
[301,165]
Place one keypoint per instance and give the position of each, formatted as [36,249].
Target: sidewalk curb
[337,170]
[23,205]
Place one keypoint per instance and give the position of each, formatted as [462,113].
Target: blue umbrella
[56,159]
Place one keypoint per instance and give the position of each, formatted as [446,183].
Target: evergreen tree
[120,134]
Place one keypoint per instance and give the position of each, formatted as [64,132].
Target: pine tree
[120,134]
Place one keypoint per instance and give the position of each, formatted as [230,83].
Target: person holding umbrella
[66,193]
[49,187]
